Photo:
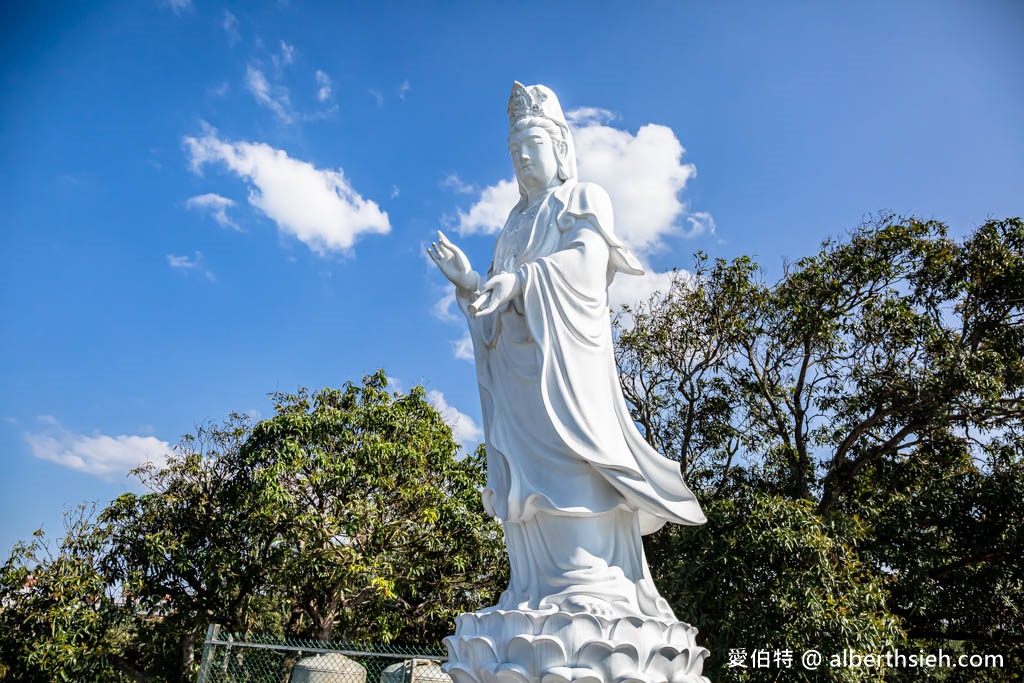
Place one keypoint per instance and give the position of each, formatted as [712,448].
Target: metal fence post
[204,666]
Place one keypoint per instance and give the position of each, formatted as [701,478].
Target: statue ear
[561,150]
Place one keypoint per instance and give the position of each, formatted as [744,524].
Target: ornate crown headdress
[534,100]
[527,101]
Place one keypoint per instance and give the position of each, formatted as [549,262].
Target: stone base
[500,646]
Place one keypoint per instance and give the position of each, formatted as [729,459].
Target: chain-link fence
[233,658]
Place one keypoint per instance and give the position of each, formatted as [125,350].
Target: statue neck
[537,194]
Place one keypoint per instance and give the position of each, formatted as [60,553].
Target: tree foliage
[346,515]
[59,618]
[877,385]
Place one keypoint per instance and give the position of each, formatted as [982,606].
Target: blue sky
[203,202]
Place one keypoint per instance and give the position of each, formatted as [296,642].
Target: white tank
[415,671]
[328,668]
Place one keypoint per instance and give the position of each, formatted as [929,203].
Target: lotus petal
[593,654]
[556,624]
[582,674]
[635,677]
[559,674]
[651,636]
[585,627]
[466,625]
[540,654]
[479,651]
[515,623]
[460,674]
[681,634]
[626,630]
[512,673]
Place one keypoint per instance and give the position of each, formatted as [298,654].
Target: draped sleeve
[565,305]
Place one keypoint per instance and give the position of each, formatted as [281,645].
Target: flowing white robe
[569,475]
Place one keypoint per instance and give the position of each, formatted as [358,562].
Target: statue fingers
[477,308]
[434,254]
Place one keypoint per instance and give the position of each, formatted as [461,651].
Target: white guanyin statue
[573,482]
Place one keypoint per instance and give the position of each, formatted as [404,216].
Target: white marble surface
[573,482]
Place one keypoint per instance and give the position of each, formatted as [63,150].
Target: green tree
[380,529]
[346,515]
[59,619]
[878,384]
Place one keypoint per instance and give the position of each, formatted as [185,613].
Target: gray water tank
[328,668]
[415,671]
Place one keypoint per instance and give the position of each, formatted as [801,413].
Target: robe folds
[560,440]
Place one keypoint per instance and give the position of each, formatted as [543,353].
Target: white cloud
[179,6]
[191,264]
[462,348]
[216,205]
[395,192]
[643,173]
[488,214]
[107,457]
[378,96]
[404,89]
[230,24]
[464,429]
[635,289]
[317,206]
[455,183]
[701,223]
[287,54]
[274,99]
[323,83]
[590,116]
[443,307]
[219,90]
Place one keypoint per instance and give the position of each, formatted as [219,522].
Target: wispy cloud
[378,96]
[323,84]
[318,206]
[590,116]
[192,264]
[230,25]
[462,348]
[404,89]
[464,428]
[286,56]
[443,307]
[107,457]
[179,6]
[219,90]
[701,223]
[276,99]
[216,205]
[453,182]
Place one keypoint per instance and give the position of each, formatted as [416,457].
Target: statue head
[532,109]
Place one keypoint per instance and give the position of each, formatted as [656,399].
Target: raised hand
[453,263]
[499,289]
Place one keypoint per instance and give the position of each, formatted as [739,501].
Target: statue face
[533,156]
